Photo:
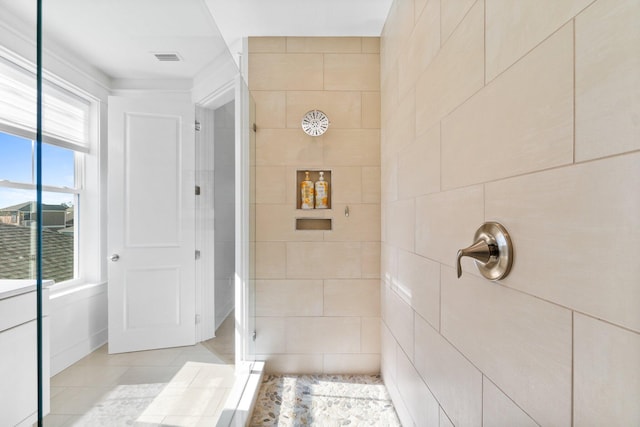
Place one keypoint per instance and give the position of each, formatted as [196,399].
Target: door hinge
[197,254]
[197,125]
[197,319]
[254,335]
[197,190]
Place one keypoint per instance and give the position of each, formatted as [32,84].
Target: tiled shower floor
[323,400]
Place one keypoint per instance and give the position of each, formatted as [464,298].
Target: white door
[151,222]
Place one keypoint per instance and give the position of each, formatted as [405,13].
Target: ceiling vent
[167,57]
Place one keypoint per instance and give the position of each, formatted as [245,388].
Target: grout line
[573,22]
[573,352]
[484,47]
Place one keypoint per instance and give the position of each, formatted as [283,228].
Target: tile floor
[323,400]
[185,386]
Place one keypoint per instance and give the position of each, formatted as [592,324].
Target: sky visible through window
[17,165]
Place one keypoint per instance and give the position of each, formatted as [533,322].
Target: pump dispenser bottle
[322,193]
[306,192]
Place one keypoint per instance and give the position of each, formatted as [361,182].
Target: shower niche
[319,180]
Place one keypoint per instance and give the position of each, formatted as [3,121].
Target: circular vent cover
[315,123]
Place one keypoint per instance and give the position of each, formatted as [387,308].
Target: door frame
[205,300]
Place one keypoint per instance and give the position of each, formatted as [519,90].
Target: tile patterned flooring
[323,400]
[185,386]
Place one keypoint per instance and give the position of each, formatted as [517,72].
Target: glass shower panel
[20,388]
[251,347]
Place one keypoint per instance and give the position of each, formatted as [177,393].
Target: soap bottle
[306,191]
[322,193]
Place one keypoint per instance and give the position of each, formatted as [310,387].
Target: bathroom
[461,112]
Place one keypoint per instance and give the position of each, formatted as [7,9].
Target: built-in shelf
[313,223]
[314,175]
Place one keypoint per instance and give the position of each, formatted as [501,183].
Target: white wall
[525,113]
[78,316]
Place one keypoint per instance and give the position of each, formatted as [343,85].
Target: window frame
[84,241]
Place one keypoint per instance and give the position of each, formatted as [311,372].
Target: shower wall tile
[324,44]
[370,44]
[370,333]
[455,383]
[352,72]
[348,184]
[444,419]
[267,45]
[496,134]
[514,28]
[270,109]
[401,410]
[606,364]
[424,44]
[389,263]
[388,355]
[284,147]
[418,7]
[292,363]
[446,222]
[607,79]
[277,223]
[421,404]
[389,93]
[401,220]
[271,184]
[270,335]
[351,147]
[289,297]
[353,364]
[327,260]
[371,260]
[419,165]
[399,319]
[289,76]
[398,28]
[483,320]
[451,77]
[371,110]
[421,279]
[323,335]
[351,298]
[452,12]
[389,178]
[270,260]
[532,111]
[294,71]
[344,108]
[362,224]
[500,411]
[371,184]
[400,129]
[564,211]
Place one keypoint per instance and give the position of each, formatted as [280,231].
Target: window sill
[72,286]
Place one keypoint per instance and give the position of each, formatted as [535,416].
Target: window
[66,123]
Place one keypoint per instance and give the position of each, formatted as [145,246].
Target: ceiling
[242,18]
[120,37]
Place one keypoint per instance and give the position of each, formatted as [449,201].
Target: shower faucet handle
[481,250]
[492,250]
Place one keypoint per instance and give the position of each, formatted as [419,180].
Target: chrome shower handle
[492,250]
[481,250]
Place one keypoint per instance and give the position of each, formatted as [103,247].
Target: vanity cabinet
[18,352]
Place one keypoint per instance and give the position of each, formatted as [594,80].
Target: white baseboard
[68,357]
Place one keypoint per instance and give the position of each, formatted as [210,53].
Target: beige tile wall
[318,292]
[528,113]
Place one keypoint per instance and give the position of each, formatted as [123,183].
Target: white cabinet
[18,353]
